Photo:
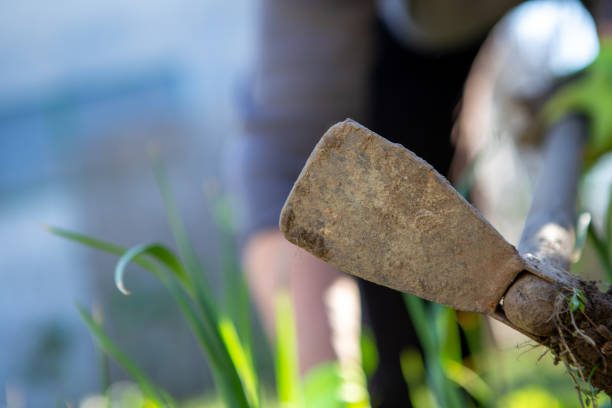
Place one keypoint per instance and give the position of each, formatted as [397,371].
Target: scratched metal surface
[375,210]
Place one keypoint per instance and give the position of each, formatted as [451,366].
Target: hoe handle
[548,236]
[548,233]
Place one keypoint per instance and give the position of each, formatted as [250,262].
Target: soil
[583,338]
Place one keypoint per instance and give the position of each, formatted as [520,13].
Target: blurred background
[86,88]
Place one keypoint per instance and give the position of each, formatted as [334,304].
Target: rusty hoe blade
[375,210]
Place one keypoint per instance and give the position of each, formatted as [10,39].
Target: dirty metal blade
[375,210]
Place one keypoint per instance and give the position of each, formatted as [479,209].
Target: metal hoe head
[375,210]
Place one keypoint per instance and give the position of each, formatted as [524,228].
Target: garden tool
[374,209]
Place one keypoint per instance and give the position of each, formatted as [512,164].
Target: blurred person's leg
[266,264]
[273,264]
[310,280]
[310,70]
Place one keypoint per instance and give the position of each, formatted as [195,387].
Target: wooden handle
[549,233]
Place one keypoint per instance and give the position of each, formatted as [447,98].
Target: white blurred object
[533,46]
[550,39]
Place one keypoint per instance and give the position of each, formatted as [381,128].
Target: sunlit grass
[184,277]
[222,326]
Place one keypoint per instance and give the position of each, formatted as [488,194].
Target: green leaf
[100,245]
[595,367]
[577,301]
[86,240]
[421,322]
[236,296]
[413,370]
[574,303]
[103,246]
[470,381]
[228,379]
[208,336]
[224,372]
[241,360]
[189,272]
[450,344]
[287,380]
[181,298]
[321,386]
[157,251]
[202,287]
[580,296]
[147,387]
[369,353]
[427,327]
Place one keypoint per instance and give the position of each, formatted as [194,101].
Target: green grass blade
[321,386]
[105,377]
[203,291]
[147,386]
[224,373]
[236,297]
[425,333]
[241,360]
[425,327]
[413,371]
[473,328]
[229,380]
[448,329]
[207,335]
[470,381]
[86,240]
[369,353]
[104,246]
[449,349]
[421,322]
[174,289]
[287,377]
[156,251]
[110,248]
[99,244]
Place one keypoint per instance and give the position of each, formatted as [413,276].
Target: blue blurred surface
[85,87]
